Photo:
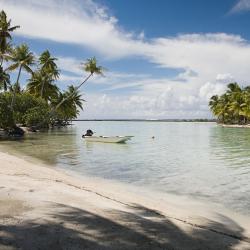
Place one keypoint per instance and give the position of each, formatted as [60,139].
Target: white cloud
[77,22]
[208,61]
[241,5]
[209,89]
[225,78]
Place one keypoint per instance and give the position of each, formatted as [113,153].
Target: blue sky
[165,58]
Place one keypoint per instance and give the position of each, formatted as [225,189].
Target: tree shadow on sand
[138,228]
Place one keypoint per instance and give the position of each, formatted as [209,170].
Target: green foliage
[91,66]
[6,116]
[41,103]
[5,34]
[233,107]
[69,108]
[37,116]
[29,109]
[42,85]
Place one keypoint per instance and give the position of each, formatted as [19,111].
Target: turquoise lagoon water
[199,160]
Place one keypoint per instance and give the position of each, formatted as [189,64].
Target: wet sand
[43,208]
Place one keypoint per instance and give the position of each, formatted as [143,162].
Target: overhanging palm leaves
[49,68]
[42,82]
[5,34]
[69,109]
[22,58]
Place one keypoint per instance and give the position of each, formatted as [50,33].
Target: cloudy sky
[164,58]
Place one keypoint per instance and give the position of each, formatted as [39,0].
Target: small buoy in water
[153,137]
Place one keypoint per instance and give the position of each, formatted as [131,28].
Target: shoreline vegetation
[89,213]
[232,109]
[38,103]
[148,120]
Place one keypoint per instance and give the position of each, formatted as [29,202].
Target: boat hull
[107,139]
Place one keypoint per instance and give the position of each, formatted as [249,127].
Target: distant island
[149,120]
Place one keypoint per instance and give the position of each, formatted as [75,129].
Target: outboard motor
[89,132]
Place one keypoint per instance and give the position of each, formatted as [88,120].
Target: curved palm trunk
[68,97]
[14,89]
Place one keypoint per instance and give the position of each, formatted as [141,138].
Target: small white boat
[107,139]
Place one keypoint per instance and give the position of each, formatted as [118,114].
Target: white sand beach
[43,208]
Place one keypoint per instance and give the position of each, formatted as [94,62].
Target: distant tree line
[233,107]
[39,102]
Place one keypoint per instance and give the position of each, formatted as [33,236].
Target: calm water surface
[200,160]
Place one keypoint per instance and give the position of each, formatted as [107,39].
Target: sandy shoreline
[234,125]
[42,208]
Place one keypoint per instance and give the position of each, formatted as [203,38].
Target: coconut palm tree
[236,101]
[5,34]
[4,79]
[69,109]
[245,106]
[214,104]
[40,80]
[219,106]
[91,67]
[75,97]
[22,58]
[233,88]
[236,106]
[233,106]
[48,68]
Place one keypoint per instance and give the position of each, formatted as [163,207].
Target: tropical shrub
[6,116]
[37,117]
[28,108]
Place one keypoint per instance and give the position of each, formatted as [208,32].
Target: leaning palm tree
[22,58]
[5,34]
[4,79]
[48,69]
[91,67]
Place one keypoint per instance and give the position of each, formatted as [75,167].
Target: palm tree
[75,97]
[42,81]
[235,95]
[233,106]
[214,103]
[91,67]
[48,69]
[245,106]
[233,88]
[219,105]
[5,34]
[69,108]
[4,79]
[22,58]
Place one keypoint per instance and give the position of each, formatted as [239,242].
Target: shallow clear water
[200,160]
